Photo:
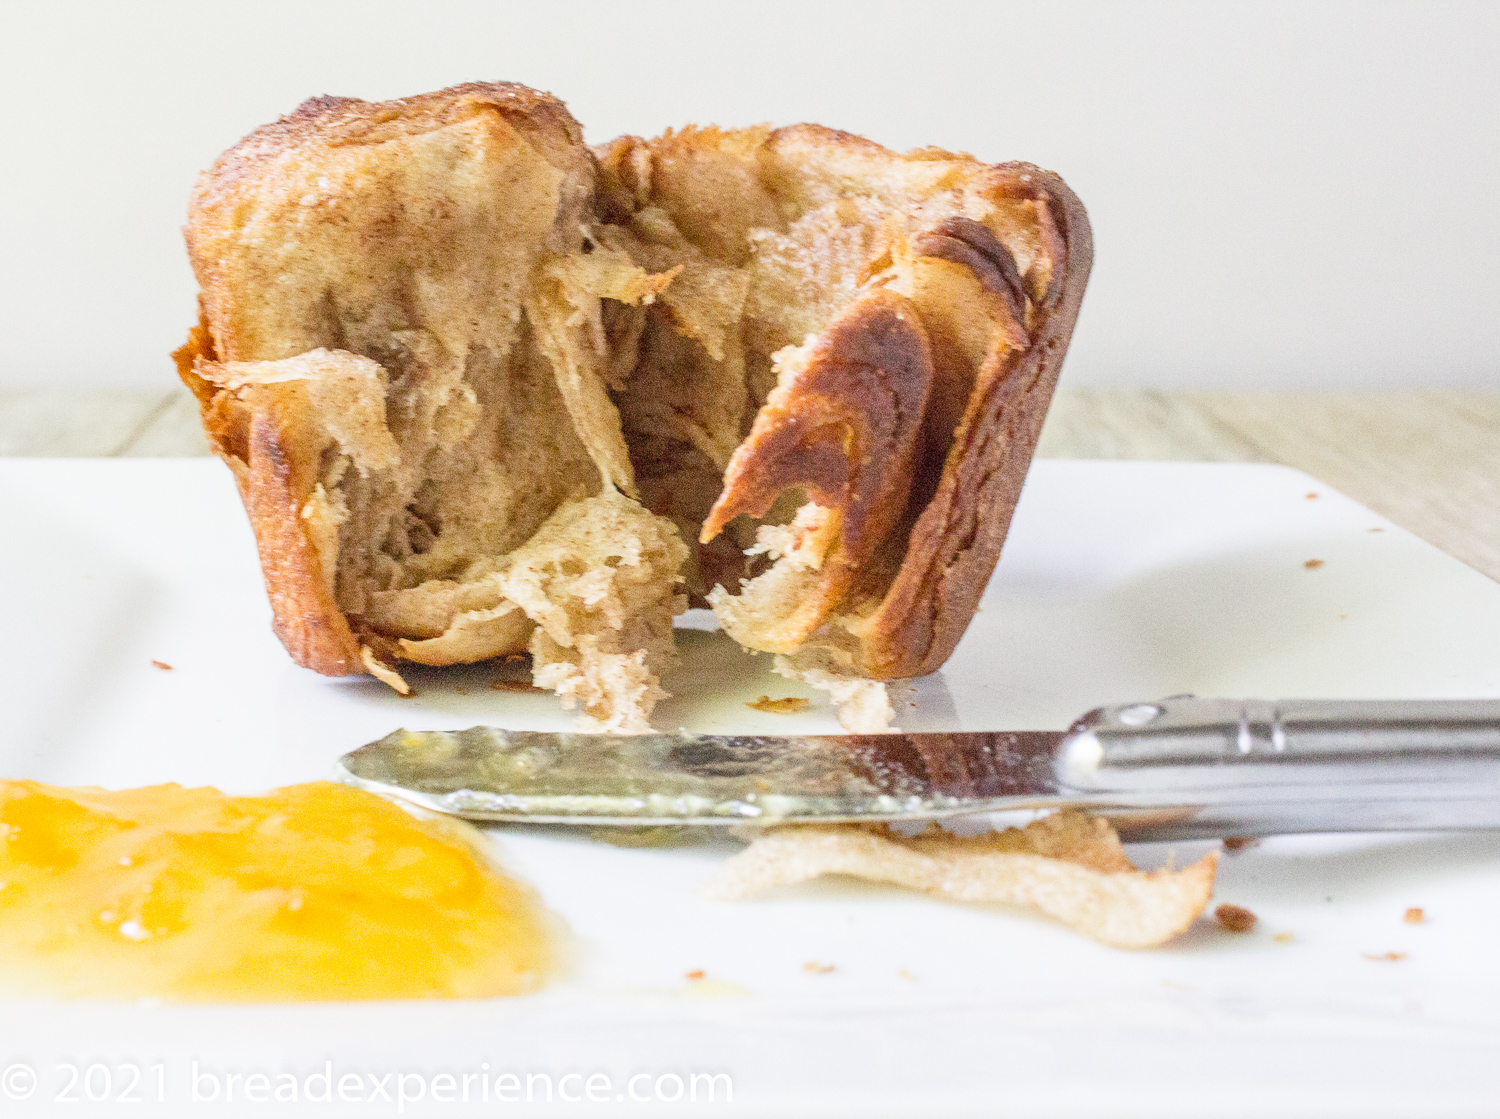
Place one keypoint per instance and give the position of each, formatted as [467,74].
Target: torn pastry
[487,392]
[1068,866]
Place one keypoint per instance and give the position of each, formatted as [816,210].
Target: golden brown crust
[339,121]
[967,242]
[304,615]
[249,435]
[262,435]
[226,195]
[246,432]
[845,427]
[956,540]
[983,419]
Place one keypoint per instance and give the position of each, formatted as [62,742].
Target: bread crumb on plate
[1235,918]
[789,705]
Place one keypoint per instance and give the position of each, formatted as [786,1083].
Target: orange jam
[315,891]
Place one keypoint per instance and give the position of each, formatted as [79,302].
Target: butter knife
[1177,768]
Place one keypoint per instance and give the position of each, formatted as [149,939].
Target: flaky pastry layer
[485,391]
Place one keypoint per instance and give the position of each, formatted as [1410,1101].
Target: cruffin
[428,325]
[1069,866]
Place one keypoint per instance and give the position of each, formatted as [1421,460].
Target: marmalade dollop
[316,891]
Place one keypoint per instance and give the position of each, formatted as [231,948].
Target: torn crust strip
[1069,866]
[382,671]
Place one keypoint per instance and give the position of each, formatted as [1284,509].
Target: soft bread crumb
[599,580]
[862,705]
[759,611]
[617,691]
[802,543]
[1069,866]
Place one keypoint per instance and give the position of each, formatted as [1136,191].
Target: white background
[1283,195]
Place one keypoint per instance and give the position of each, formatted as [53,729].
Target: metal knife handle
[1250,767]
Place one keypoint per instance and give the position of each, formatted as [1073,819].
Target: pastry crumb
[1233,843]
[1235,918]
[1283,938]
[695,975]
[163,665]
[1312,497]
[789,705]
[1313,564]
[814,968]
[1376,530]
[902,973]
[863,706]
[1384,957]
[1069,866]
[1414,915]
[384,672]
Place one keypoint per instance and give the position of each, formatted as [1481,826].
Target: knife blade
[1176,768]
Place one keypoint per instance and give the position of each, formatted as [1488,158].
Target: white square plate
[1121,581]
